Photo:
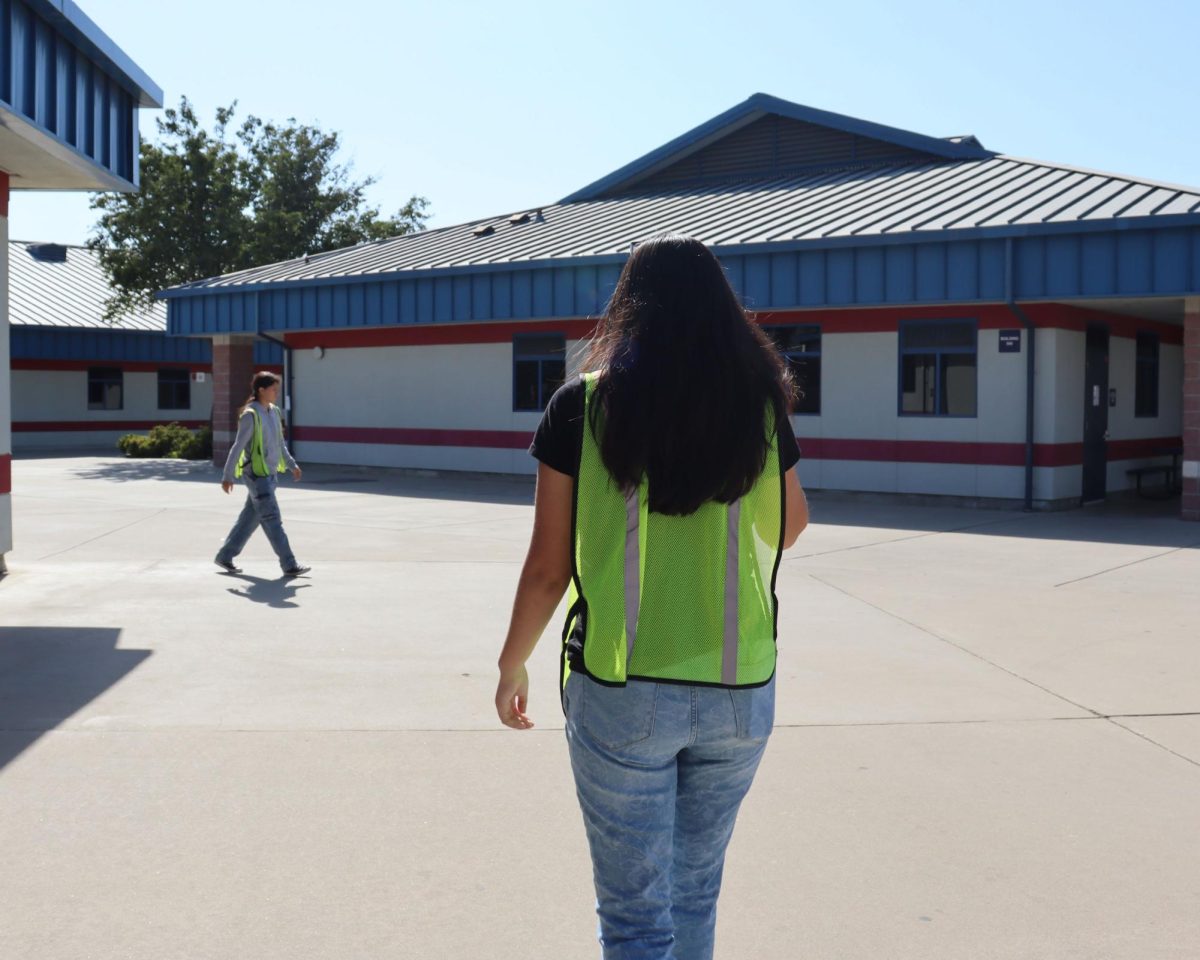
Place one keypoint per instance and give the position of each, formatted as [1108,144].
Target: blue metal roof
[68,100]
[896,218]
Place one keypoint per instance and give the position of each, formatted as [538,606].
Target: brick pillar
[233,368]
[1190,508]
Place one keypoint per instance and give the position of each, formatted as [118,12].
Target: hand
[227,486]
[512,694]
[296,472]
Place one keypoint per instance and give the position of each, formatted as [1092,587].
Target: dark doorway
[1095,415]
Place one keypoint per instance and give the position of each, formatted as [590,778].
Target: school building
[963,322]
[79,380]
[69,98]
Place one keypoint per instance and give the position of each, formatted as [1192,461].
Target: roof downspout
[1031,337]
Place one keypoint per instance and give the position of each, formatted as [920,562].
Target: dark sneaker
[227,565]
[296,571]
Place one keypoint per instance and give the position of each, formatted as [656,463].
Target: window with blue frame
[105,388]
[174,389]
[938,368]
[801,346]
[539,368]
[1145,384]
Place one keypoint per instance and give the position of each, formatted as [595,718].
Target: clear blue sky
[489,107]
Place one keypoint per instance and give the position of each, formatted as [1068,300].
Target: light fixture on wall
[318,352]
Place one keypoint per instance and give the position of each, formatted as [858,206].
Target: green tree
[209,204]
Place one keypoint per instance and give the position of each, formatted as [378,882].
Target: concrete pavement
[987,744]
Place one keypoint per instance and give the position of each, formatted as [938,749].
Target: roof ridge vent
[519,218]
[48,252]
[485,231]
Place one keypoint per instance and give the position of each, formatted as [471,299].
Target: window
[106,388]
[539,368]
[1145,389]
[801,347]
[937,368]
[174,390]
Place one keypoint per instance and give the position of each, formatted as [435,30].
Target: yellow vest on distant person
[686,599]
[258,453]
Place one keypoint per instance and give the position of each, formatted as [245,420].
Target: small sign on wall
[1010,341]
[199,376]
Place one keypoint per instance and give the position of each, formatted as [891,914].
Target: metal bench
[1168,473]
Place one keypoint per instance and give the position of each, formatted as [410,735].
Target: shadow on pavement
[275,592]
[49,673]
[124,471]
[1123,519]
[423,485]
[1120,520]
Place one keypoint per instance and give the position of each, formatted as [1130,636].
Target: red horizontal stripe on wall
[81,426]
[941,451]
[1049,316]
[1140,449]
[139,367]
[418,437]
[1046,316]
[812,448]
[5,473]
[432,334]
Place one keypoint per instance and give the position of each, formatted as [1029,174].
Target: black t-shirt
[559,437]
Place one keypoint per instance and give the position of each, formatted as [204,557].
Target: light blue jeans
[660,771]
[261,509]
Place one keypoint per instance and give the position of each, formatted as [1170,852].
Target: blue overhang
[68,100]
[878,218]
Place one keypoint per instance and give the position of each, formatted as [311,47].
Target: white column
[6,543]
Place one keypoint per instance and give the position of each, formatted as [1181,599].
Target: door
[1095,415]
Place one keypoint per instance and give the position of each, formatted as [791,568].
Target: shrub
[171,440]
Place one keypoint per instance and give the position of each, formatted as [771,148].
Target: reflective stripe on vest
[258,453]
[674,598]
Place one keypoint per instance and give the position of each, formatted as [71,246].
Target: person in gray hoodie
[258,456]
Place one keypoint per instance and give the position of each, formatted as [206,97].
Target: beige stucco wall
[61,395]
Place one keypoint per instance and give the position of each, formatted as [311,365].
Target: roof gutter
[1030,366]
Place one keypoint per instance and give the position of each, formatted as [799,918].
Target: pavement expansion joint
[915,536]
[1156,743]
[956,646]
[101,536]
[1131,563]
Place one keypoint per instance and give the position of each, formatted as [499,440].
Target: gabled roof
[55,285]
[818,139]
[902,187]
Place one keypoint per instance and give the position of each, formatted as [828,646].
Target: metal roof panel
[67,293]
[934,199]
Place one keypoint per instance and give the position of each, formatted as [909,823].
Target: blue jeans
[660,771]
[261,509]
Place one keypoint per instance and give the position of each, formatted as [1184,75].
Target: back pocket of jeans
[754,708]
[617,717]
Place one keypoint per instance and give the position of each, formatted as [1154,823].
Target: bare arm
[544,579]
[795,509]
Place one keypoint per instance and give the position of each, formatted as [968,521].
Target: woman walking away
[257,456]
[665,496]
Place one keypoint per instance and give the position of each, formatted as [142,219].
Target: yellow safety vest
[687,599]
[258,453]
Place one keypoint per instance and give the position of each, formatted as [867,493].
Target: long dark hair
[686,380]
[260,381]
